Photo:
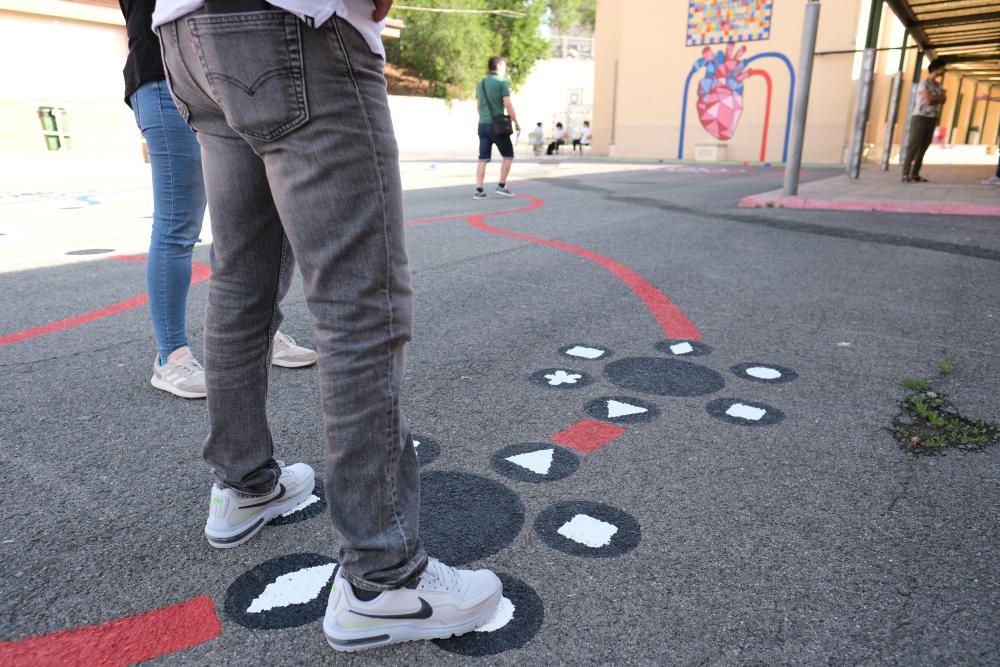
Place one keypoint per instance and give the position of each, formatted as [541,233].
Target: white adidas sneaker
[181,374]
[444,602]
[289,355]
[233,517]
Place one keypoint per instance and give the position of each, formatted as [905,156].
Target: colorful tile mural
[727,21]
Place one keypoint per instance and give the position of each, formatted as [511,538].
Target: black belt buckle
[237,6]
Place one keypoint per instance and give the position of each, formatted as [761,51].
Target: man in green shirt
[493,95]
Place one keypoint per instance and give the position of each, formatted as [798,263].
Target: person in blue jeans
[178,211]
[289,102]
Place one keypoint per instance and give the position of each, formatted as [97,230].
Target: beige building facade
[658,96]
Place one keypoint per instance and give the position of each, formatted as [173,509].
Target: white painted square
[585,352]
[681,348]
[745,412]
[588,531]
[764,373]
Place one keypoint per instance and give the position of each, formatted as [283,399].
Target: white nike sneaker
[444,602]
[289,355]
[233,517]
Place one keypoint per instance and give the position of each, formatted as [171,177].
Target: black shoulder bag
[502,127]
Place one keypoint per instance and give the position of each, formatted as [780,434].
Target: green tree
[572,17]
[451,49]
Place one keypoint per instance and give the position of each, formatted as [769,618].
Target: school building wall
[643,64]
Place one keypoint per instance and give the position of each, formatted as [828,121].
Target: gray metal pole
[861,113]
[810,25]
[890,126]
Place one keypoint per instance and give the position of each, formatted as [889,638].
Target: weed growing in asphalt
[915,384]
[928,422]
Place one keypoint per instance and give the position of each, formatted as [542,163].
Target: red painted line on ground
[674,322]
[199,273]
[888,206]
[588,435]
[120,642]
[535,203]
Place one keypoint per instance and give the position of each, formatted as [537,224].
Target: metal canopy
[966,33]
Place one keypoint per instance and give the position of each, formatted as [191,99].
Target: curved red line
[199,273]
[672,320]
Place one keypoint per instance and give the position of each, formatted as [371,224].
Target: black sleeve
[144,61]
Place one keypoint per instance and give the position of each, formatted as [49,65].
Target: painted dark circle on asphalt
[625,538]
[756,375]
[529,612]
[698,348]
[90,251]
[250,585]
[599,409]
[428,450]
[564,462]
[315,509]
[560,378]
[663,377]
[464,518]
[720,407]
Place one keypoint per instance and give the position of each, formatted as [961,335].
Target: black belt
[237,6]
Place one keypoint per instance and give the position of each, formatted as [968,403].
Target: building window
[54,128]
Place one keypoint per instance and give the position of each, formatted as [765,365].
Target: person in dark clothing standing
[178,210]
[930,97]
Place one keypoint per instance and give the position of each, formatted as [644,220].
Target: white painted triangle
[538,462]
[296,587]
[619,409]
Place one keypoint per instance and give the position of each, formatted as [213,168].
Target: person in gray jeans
[300,159]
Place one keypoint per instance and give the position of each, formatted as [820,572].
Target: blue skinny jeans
[178,210]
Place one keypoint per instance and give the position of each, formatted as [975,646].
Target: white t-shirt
[314,12]
[585,135]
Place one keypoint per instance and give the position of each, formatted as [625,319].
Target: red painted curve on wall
[767,110]
[121,642]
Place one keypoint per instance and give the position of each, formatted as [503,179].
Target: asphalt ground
[803,537]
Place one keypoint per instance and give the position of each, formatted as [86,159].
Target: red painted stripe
[588,435]
[199,273]
[535,203]
[120,642]
[672,320]
[767,110]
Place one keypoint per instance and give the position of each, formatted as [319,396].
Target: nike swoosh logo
[281,492]
[425,611]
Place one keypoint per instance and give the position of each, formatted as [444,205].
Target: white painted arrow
[619,409]
[296,587]
[539,461]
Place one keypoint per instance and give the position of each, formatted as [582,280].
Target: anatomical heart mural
[720,93]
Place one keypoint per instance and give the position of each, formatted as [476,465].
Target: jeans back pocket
[253,64]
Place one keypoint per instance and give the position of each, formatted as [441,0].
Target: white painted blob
[501,617]
[681,348]
[562,377]
[416,443]
[301,506]
[764,373]
[588,531]
[539,461]
[745,411]
[585,352]
[619,409]
[293,588]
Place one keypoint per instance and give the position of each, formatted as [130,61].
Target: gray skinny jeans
[300,160]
